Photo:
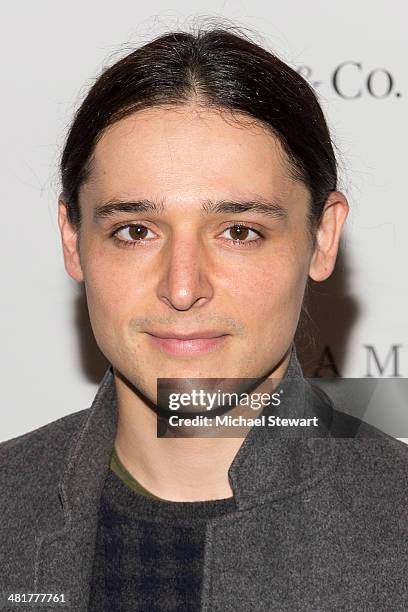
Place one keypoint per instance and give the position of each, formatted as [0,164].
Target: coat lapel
[64,558]
[266,467]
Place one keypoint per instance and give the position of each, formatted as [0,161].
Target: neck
[175,469]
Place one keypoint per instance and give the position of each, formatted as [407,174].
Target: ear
[328,236]
[70,242]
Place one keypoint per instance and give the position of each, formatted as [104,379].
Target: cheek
[112,292]
[271,293]
[263,291]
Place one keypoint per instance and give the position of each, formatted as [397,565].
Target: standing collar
[269,463]
[274,462]
[266,467]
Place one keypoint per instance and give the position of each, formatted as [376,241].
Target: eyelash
[132,244]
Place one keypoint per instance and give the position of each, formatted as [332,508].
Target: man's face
[187,272]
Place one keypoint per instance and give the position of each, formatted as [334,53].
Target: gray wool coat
[321,520]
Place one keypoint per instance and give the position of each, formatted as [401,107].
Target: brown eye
[137,232]
[239,232]
[131,233]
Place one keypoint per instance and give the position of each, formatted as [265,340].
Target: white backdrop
[354,53]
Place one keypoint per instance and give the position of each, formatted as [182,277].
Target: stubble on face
[186,277]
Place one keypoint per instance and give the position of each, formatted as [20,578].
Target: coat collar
[266,467]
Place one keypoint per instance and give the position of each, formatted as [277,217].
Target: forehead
[188,149]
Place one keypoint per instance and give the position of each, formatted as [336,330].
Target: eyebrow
[268,208]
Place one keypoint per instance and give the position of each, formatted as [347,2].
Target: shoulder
[39,456]
[367,440]
[372,450]
[31,467]
[371,466]
[372,470]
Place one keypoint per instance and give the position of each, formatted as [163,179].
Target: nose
[185,277]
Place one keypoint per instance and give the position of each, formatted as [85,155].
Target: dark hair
[218,69]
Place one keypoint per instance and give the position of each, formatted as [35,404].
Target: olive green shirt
[119,469]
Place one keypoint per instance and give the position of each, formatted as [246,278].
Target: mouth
[188,345]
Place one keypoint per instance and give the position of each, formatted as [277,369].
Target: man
[199,195]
